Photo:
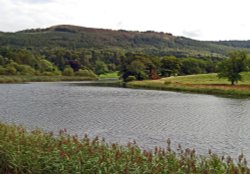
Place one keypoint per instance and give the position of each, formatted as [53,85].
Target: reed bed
[42,152]
[25,79]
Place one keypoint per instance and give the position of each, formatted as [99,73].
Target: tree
[232,67]
[192,66]
[170,66]
[138,69]
[45,65]
[100,67]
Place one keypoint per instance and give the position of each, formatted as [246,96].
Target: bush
[25,70]
[85,73]
[68,72]
[10,70]
[130,78]
[167,83]
[52,73]
[2,70]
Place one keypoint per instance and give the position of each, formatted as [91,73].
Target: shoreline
[165,84]
[211,88]
[185,89]
[26,79]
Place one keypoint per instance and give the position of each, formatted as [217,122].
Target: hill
[149,42]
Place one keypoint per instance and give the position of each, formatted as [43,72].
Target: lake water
[120,115]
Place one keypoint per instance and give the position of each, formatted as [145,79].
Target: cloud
[204,20]
[192,33]
[32,1]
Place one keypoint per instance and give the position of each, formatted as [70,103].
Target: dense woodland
[72,50]
[57,61]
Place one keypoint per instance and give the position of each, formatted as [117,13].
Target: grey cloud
[192,33]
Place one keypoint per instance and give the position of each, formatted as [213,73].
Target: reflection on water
[121,115]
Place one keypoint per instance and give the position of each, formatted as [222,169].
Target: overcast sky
[197,19]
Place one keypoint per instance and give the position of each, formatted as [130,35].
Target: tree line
[131,66]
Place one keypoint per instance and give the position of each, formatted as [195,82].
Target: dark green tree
[100,67]
[170,66]
[232,67]
[192,66]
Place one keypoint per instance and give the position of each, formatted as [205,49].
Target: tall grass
[23,79]
[40,152]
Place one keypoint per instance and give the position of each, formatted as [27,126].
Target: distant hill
[149,42]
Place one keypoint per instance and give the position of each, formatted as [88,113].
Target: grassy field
[202,83]
[112,75]
[38,152]
[24,79]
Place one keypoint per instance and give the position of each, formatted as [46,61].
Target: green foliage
[22,69]
[130,78]
[85,73]
[194,66]
[149,43]
[45,66]
[145,55]
[148,67]
[232,67]
[170,66]
[109,75]
[2,61]
[39,152]
[42,78]
[10,70]
[100,67]
[68,71]
[2,70]
[140,66]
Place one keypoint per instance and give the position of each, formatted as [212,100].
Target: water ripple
[121,115]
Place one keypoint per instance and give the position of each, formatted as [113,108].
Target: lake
[121,115]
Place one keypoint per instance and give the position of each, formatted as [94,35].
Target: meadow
[201,83]
[36,151]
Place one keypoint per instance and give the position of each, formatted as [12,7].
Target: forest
[78,51]
[62,61]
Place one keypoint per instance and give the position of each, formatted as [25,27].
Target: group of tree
[131,66]
[141,67]
[26,62]
[232,67]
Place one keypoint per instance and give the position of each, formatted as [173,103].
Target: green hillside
[149,42]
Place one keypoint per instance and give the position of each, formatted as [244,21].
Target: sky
[196,19]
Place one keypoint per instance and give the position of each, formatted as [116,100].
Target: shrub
[130,78]
[2,70]
[10,70]
[85,73]
[68,72]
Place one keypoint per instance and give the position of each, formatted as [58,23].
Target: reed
[25,79]
[41,152]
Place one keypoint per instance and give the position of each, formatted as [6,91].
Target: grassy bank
[24,79]
[112,75]
[40,152]
[202,83]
